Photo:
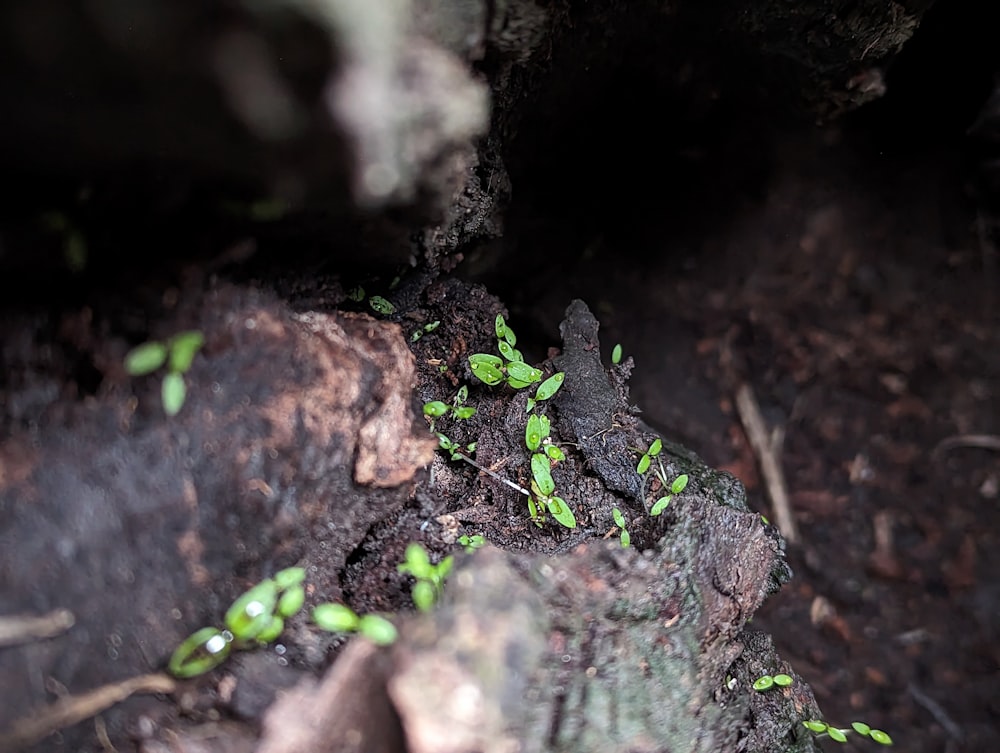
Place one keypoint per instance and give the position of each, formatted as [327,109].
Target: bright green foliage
[626,537]
[426,329]
[493,370]
[256,617]
[616,354]
[679,484]
[820,727]
[471,543]
[541,474]
[146,358]
[763,683]
[429,578]
[381,305]
[177,354]
[561,511]
[200,652]
[337,618]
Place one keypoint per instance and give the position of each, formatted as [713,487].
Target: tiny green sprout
[200,652]
[183,348]
[381,306]
[289,577]
[463,412]
[146,358]
[643,465]
[763,683]
[626,537]
[782,680]
[555,453]
[435,408]
[561,512]
[251,613]
[173,393]
[356,294]
[378,630]
[533,433]
[335,618]
[519,371]
[273,629]
[486,368]
[536,517]
[506,351]
[290,602]
[177,354]
[425,330]
[471,543]
[820,727]
[429,578]
[679,484]
[550,386]
[542,475]
[616,354]
[655,448]
[500,326]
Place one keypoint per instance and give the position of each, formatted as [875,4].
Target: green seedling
[337,618]
[626,537]
[546,389]
[616,354]
[381,305]
[493,370]
[454,449]
[678,485]
[429,578]
[356,294]
[425,330]
[647,457]
[821,728]
[472,543]
[177,354]
[766,682]
[257,617]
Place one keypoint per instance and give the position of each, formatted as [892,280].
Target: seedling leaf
[660,505]
[146,358]
[542,475]
[654,449]
[555,453]
[561,512]
[533,432]
[880,737]
[550,386]
[617,516]
[173,392]
[763,683]
[435,408]
[522,372]
[336,618]
[183,348]
[381,305]
[783,680]
[616,354]
[377,629]
[836,734]
[643,466]
[680,484]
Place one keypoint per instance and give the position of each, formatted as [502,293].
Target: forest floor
[853,296]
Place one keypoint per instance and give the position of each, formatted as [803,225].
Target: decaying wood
[297,435]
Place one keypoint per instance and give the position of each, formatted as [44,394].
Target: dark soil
[853,293]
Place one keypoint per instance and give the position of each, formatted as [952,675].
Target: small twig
[981,441]
[768,452]
[937,711]
[30,628]
[497,476]
[74,709]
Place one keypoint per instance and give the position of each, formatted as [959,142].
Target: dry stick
[981,441]
[74,709]
[30,628]
[768,452]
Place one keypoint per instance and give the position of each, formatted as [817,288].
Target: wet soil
[852,290]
